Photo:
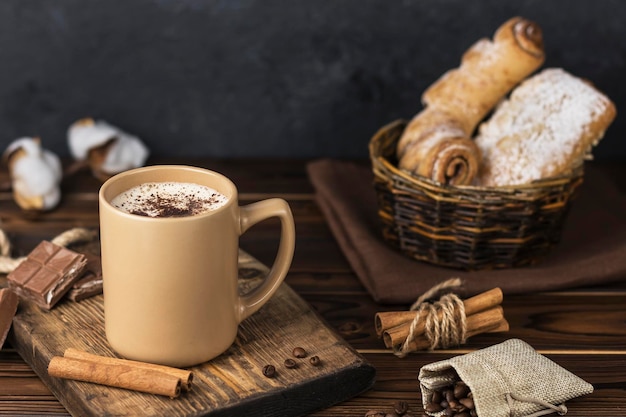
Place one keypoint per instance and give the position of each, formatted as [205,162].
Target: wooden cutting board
[230,385]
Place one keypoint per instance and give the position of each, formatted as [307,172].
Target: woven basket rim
[383,164]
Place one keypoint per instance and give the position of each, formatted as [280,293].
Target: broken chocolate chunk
[8,308]
[47,274]
[90,282]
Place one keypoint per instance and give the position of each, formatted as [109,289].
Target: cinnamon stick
[115,375]
[185,376]
[394,326]
[489,320]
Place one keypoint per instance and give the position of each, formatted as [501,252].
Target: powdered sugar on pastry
[545,128]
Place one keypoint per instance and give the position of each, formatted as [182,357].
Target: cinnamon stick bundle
[120,373]
[483,314]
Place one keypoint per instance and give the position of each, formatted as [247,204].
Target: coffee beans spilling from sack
[508,379]
[455,400]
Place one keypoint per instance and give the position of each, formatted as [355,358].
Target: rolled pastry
[465,95]
[438,147]
[547,127]
[489,70]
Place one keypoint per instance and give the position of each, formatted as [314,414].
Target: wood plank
[323,278]
[230,385]
[397,380]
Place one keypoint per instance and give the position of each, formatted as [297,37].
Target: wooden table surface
[583,330]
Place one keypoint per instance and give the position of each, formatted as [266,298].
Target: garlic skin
[35,173]
[107,149]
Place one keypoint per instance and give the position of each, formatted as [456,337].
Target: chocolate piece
[47,273]
[90,283]
[8,308]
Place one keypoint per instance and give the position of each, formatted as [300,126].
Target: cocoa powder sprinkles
[169,199]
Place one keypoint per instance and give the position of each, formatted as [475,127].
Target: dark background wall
[246,78]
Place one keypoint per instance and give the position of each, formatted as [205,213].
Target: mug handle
[250,215]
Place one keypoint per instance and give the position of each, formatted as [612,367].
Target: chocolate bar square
[46,274]
[8,308]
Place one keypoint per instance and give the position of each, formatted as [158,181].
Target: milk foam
[169,199]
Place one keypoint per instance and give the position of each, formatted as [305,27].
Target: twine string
[5,244]
[67,238]
[448,330]
[548,408]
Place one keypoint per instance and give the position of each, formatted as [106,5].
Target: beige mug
[170,284]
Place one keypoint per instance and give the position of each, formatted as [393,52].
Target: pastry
[462,97]
[546,128]
[439,148]
[489,70]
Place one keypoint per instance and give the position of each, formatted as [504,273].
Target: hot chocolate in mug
[170,281]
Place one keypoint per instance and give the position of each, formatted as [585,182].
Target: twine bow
[445,323]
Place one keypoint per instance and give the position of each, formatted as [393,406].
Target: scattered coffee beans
[400,409]
[269,371]
[455,400]
[290,364]
[299,352]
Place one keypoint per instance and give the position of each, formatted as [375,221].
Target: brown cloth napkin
[592,250]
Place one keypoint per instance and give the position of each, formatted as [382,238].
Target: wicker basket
[467,227]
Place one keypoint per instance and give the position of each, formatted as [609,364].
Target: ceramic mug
[170,284]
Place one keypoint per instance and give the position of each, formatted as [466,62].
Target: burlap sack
[507,380]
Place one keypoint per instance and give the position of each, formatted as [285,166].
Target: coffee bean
[433,407]
[453,404]
[269,371]
[449,395]
[299,352]
[460,390]
[467,402]
[315,361]
[435,397]
[454,400]
[290,364]
[401,407]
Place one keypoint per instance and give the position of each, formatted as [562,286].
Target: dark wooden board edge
[307,397]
